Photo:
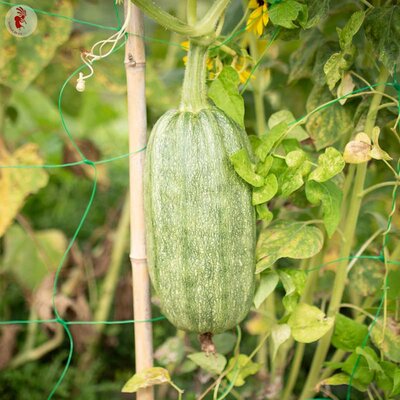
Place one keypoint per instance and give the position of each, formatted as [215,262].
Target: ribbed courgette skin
[200,221]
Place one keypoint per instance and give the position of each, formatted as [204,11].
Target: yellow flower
[241,65]
[258,19]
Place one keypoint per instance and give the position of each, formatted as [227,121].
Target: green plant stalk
[307,296]
[350,227]
[204,27]
[258,94]
[194,90]
[191,11]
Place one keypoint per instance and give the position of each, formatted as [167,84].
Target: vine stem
[349,231]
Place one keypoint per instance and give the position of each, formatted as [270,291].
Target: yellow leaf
[16,184]
[146,378]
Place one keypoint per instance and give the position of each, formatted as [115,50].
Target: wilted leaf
[242,368]
[387,339]
[266,192]
[146,378]
[309,323]
[16,184]
[268,282]
[279,335]
[214,363]
[382,28]
[358,150]
[330,124]
[32,256]
[287,239]
[225,94]
[348,334]
[345,87]
[330,196]
[330,164]
[286,116]
[245,169]
[376,152]
[22,59]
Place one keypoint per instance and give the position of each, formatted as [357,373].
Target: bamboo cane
[135,73]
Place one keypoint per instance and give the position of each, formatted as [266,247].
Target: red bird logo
[19,19]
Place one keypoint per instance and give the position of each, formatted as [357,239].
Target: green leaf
[343,379]
[362,373]
[309,323]
[293,282]
[31,257]
[340,62]
[396,383]
[348,334]
[245,169]
[146,378]
[224,342]
[352,26]
[292,178]
[224,92]
[370,356]
[22,59]
[384,378]
[263,214]
[382,28]
[302,58]
[214,363]
[279,335]
[170,352]
[268,282]
[242,368]
[266,192]
[317,10]
[329,124]
[330,164]
[287,239]
[387,340]
[285,13]
[335,66]
[263,167]
[298,132]
[270,139]
[330,196]
[255,141]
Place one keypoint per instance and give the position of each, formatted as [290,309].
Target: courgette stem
[350,227]
[194,91]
